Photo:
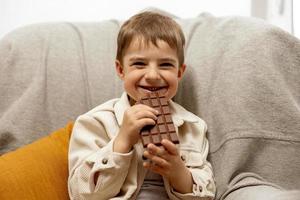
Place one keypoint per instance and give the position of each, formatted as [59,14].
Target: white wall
[296,17]
[16,13]
[276,12]
[282,13]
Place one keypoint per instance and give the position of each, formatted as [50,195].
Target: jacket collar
[179,114]
[120,107]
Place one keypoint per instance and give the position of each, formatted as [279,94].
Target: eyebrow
[167,60]
[136,58]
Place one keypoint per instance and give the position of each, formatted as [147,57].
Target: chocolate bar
[164,127]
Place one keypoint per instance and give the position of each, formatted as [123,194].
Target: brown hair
[150,27]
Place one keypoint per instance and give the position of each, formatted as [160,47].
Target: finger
[156,161]
[159,162]
[151,156]
[145,114]
[157,169]
[154,168]
[145,107]
[159,151]
[169,146]
[148,155]
[157,155]
[144,122]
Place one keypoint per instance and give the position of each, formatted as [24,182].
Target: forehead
[143,43]
[139,45]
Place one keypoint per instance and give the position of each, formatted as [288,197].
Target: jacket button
[104,161]
[182,157]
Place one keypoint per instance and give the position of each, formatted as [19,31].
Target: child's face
[147,68]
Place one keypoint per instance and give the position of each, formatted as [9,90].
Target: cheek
[172,79]
[131,79]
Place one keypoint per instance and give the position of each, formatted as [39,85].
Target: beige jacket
[121,175]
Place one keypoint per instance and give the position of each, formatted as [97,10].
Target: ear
[119,69]
[181,71]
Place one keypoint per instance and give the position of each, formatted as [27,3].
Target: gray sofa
[242,78]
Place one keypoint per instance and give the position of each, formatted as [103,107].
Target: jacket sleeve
[94,169]
[194,154]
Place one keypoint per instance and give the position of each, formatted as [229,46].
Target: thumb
[170,147]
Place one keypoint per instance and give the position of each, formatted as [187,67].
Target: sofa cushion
[37,170]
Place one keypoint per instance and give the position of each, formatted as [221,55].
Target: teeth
[151,88]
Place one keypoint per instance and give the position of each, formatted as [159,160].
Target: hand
[167,162]
[134,119]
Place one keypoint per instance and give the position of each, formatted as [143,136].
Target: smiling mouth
[152,89]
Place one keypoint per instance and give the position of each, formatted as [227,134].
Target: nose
[152,73]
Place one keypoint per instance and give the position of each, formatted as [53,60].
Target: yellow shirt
[121,175]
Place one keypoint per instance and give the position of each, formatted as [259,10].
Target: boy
[105,155]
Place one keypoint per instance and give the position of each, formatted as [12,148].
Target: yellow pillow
[38,170]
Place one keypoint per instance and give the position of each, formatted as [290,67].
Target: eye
[138,64]
[166,65]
